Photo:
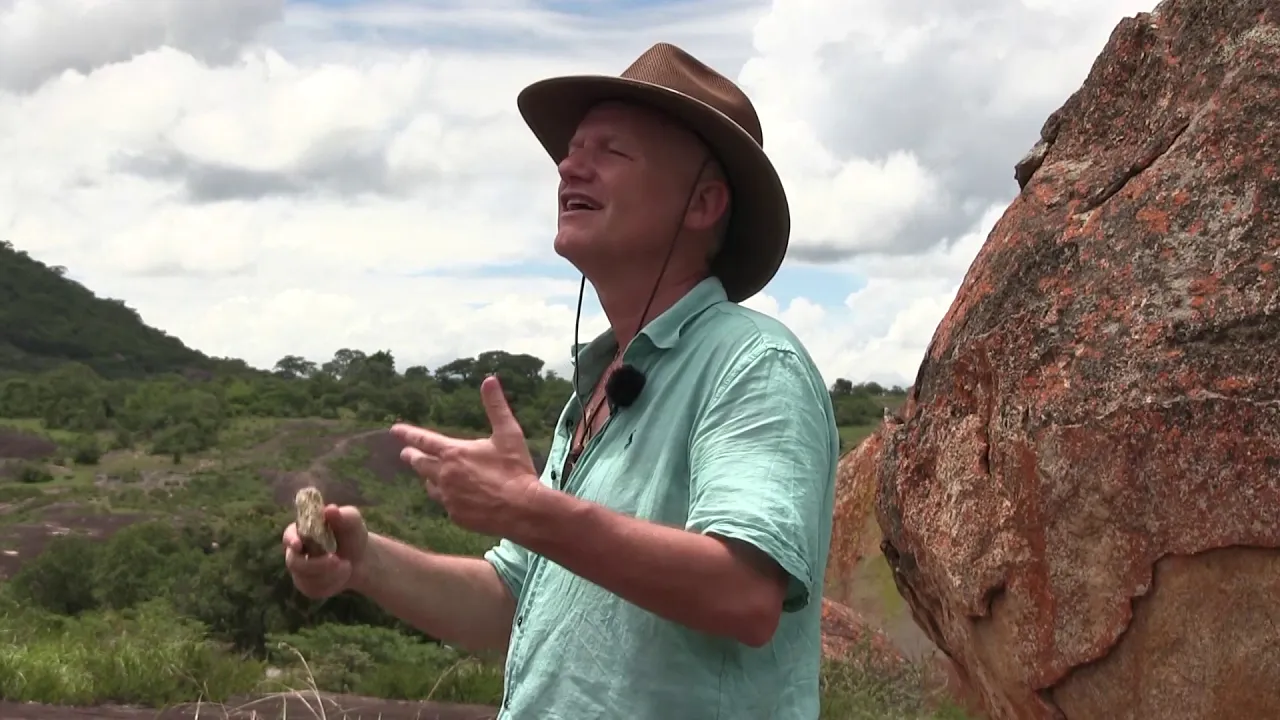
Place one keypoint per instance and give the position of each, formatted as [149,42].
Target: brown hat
[671,80]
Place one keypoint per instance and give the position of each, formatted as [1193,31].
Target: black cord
[671,247]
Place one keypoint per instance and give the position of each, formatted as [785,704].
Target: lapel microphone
[624,386]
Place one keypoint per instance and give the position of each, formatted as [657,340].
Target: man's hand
[331,573]
[481,483]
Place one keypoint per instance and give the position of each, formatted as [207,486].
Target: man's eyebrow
[602,139]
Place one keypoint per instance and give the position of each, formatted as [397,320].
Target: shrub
[85,450]
[56,580]
[33,474]
[382,662]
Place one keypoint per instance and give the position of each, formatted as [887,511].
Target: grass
[851,435]
[148,657]
[151,657]
[867,685]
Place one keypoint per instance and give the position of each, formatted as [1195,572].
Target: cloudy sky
[266,177]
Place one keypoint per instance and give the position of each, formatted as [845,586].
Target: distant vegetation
[182,467]
[89,366]
[46,319]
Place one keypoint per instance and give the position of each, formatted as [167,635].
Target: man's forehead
[613,118]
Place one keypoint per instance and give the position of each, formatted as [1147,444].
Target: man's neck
[625,305]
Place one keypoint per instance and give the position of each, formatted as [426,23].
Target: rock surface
[857,575]
[1082,505]
[860,599]
[844,630]
[853,519]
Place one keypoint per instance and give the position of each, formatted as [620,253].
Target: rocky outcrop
[1082,505]
[844,631]
[854,530]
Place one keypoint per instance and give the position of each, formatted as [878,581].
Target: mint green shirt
[734,434]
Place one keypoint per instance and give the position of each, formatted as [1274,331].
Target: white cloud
[41,38]
[882,330]
[263,179]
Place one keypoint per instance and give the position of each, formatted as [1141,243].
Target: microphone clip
[624,386]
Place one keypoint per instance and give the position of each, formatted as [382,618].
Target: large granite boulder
[1082,505]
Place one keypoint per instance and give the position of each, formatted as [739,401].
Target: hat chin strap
[582,286]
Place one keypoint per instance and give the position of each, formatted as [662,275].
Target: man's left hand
[483,483]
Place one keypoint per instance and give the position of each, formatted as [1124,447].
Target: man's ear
[710,203]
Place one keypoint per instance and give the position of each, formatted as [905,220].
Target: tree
[293,367]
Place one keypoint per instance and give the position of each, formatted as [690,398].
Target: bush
[56,580]
[381,662]
[122,439]
[33,474]
[85,450]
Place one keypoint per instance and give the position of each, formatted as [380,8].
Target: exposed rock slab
[1082,507]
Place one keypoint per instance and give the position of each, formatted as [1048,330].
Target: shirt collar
[664,331]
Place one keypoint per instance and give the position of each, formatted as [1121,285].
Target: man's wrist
[543,517]
[364,573]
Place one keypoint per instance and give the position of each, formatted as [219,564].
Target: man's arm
[760,466]
[463,601]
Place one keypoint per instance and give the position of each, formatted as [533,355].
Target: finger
[433,491]
[334,518]
[428,441]
[505,427]
[306,566]
[423,464]
[342,518]
[290,538]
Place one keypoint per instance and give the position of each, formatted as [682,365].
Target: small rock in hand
[317,538]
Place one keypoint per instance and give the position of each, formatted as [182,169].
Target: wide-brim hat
[672,81]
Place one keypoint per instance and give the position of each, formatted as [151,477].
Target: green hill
[47,319]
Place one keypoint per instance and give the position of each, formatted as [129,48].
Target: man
[669,562]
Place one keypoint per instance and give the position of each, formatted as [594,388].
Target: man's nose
[576,166]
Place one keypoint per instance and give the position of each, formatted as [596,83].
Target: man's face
[623,187]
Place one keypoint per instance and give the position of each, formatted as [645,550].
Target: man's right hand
[332,573]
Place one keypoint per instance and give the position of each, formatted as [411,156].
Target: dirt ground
[19,445]
[300,707]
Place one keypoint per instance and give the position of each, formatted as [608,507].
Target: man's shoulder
[742,330]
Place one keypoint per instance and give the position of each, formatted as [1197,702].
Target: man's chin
[584,253]
[572,245]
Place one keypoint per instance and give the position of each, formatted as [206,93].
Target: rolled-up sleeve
[511,561]
[761,463]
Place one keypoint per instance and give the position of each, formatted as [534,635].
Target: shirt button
[520,620]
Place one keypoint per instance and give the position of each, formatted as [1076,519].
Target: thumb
[342,520]
[501,418]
